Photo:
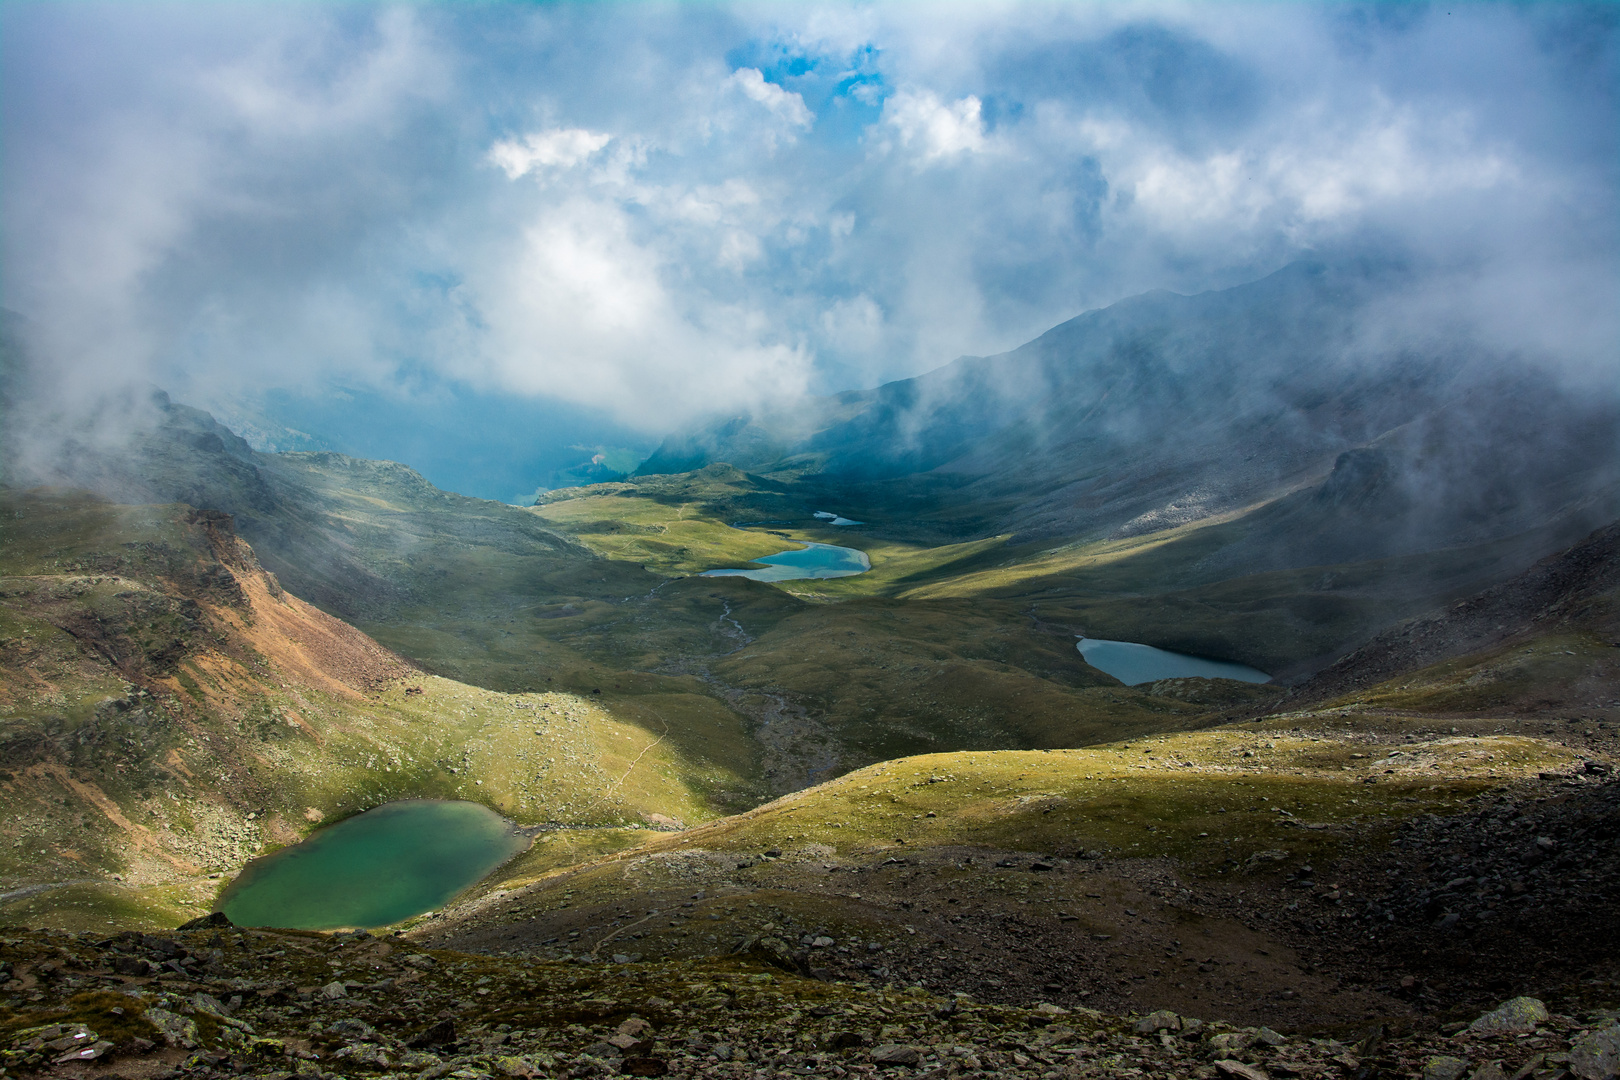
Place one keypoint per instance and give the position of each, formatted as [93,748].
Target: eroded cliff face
[158,685]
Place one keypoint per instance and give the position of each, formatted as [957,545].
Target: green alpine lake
[373,869]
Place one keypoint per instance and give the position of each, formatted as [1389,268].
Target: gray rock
[334,990]
[895,1054]
[1239,1070]
[1444,1067]
[1270,1038]
[1161,1020]
[1491,1070]
[1515,1017]
[1596,1055]
[176,1030]
[603,1051]
[202,1001]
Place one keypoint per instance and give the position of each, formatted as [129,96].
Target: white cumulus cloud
[557,148]
[785,104]
[938,128]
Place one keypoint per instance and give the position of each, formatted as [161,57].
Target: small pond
[836,519]
[813,561]
[1133,664]
[376,868]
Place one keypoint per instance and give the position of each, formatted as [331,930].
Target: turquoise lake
[814,561]
[376,868]
[1133,664]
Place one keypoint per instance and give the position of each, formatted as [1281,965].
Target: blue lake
[813,561]
[1133,664]
[376,868]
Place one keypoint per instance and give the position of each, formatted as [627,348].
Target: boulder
[1596,1055]
[442,1033]
[895,1054]
[1162,1020]
[1444,1067]
[1515,1017]
[1239,1070]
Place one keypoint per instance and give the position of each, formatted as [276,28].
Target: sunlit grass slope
[1216,806]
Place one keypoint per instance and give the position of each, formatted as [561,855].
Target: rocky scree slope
[1572,596]
[215,1001]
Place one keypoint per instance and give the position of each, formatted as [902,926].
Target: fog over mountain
[444,234]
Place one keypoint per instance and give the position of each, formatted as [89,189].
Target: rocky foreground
[215,1001]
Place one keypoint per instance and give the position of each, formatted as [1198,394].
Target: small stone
[1491,1070]
[635,1027]
[442,1033]
[1046,1008]
[514,1066]
[1269,1037]
[1238,1069]
[895,1054]
[621,958]
[603,1051]
[1444,1067]
[334,990]
[131,965]
[1596,1055]
[1521,1014]
[1531,1067]
[97,1049]
[1163,1020]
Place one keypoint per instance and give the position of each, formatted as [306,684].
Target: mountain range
[208,651]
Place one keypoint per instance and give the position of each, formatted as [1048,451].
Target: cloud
[560,148]
[787,106]
[739,202]
[936,128]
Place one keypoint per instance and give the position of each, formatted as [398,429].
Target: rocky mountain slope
[217,1002]
[168,711]
[1165,409]
[1480,650]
